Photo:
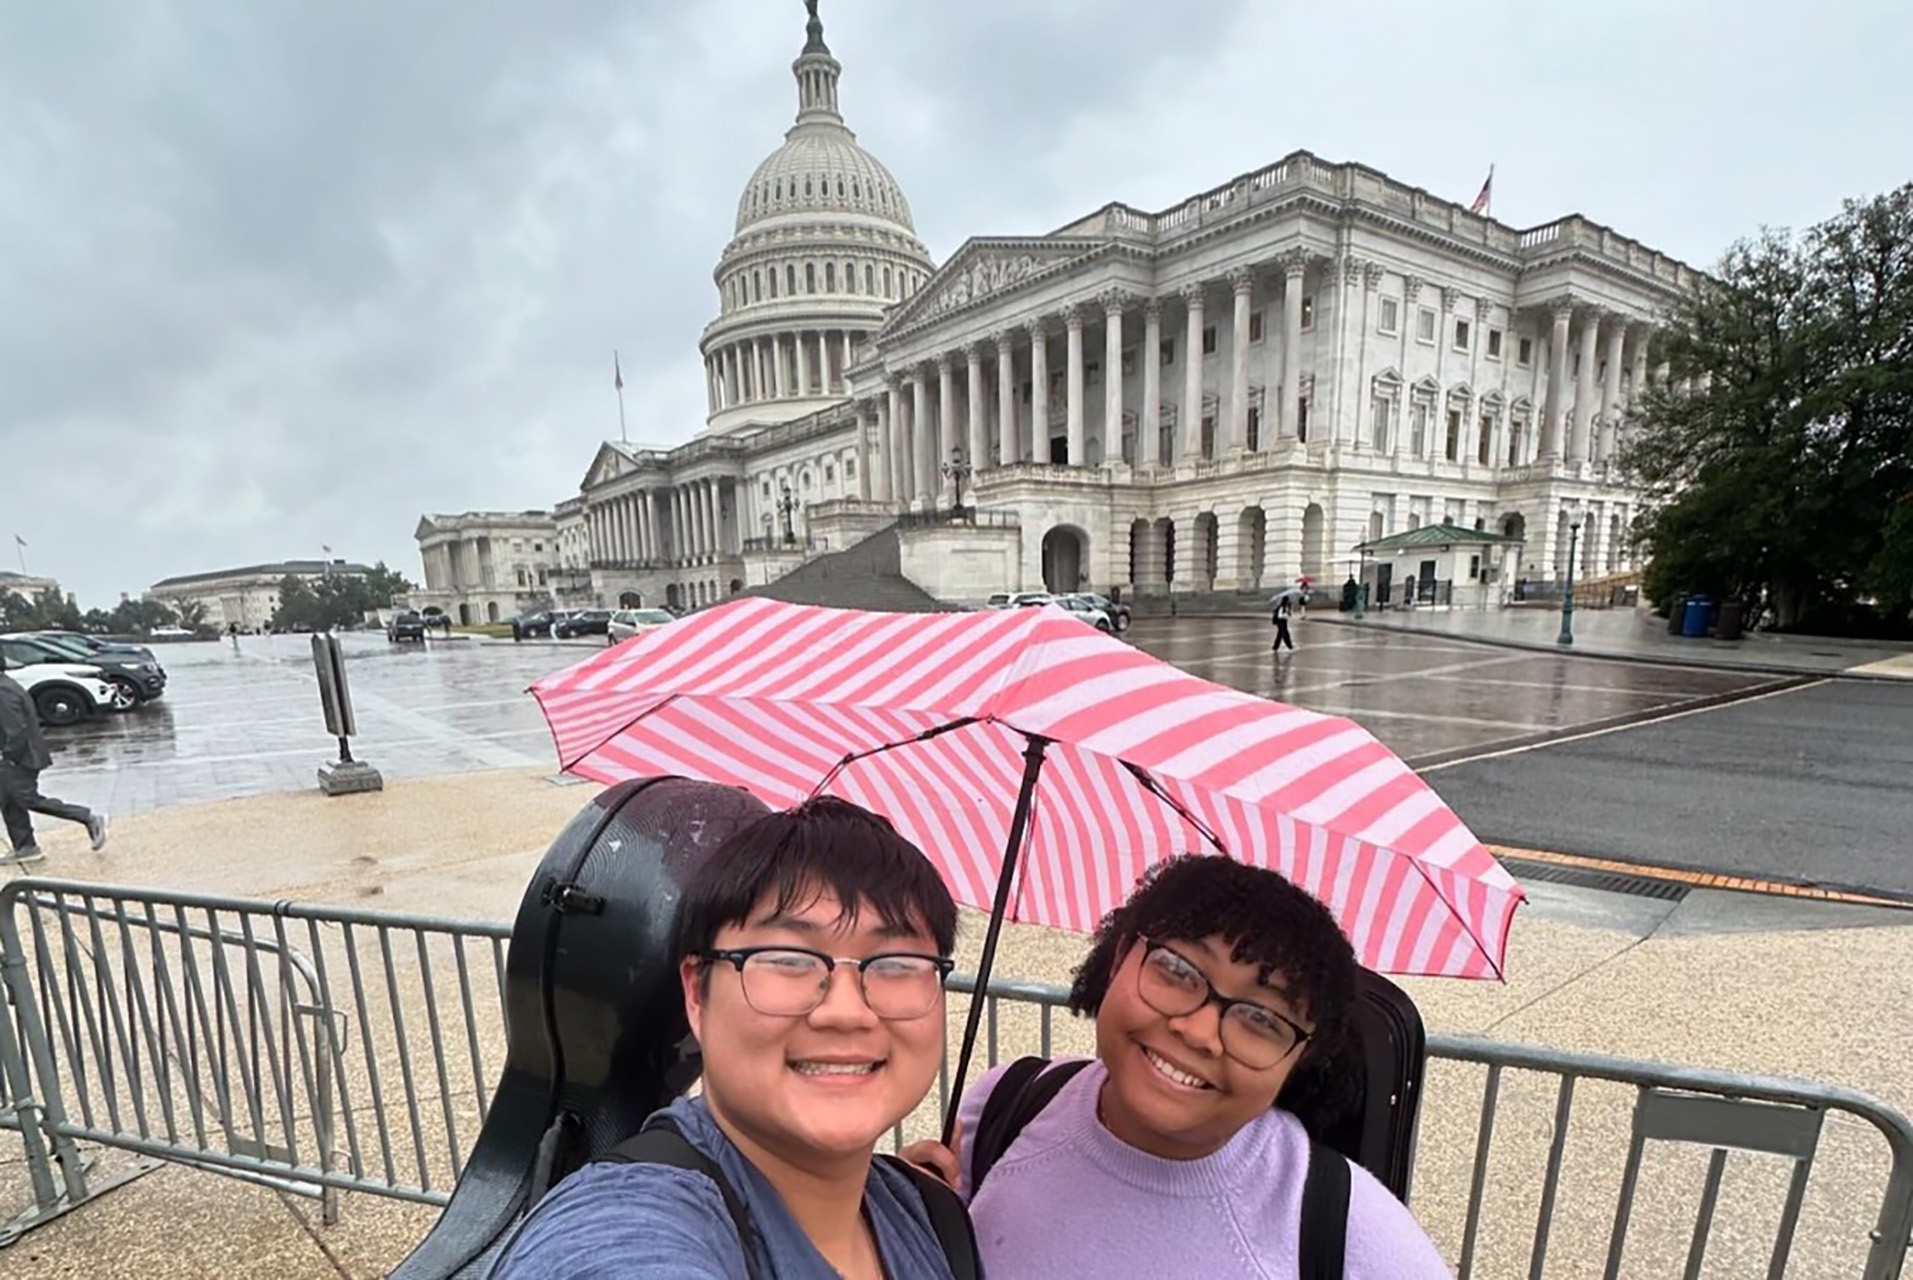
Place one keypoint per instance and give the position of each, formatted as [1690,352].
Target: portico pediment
[982,268]
[610,463]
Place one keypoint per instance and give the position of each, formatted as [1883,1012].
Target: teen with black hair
[814,946]
[1219,991]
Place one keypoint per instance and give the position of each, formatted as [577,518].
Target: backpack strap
[948,1218]
[660,1141]
[1323,1244]
[1020,1095]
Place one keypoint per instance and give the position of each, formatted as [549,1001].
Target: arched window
[886,282]
[840,188]
[870,278]
[850,277]
[757,286]
[856,190]
[830,277]
[790,280]
[810,277]
[773,275]
[807,190]
[780,188]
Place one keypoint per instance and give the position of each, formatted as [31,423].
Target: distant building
[485,566]
[247,596]
[24,585]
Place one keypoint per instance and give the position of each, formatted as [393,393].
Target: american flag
[617,374]
[1486,197]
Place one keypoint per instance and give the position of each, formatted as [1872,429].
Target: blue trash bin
[1700,611]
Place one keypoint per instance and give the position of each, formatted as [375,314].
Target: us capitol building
[1220,396]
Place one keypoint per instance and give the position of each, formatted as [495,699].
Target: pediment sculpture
[985,276]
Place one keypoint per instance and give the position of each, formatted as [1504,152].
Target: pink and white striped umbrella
[942,722]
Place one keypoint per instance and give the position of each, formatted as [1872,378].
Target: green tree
[1779,474]
[298,606]
[382,584]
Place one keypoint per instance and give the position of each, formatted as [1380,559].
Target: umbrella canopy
[984,734]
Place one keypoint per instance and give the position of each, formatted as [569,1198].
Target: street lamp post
[787,504]
[1567,592]
[956,470]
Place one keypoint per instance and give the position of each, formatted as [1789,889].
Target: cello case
[594,1018]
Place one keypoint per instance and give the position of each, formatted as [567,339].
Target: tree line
[335,600]
[1783,475]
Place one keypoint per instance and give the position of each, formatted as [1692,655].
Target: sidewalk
[1719,980]
[1637,635]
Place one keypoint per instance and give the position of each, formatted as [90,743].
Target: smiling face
[811,1088]
[1172,1090]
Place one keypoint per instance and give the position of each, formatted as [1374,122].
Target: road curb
[1639,659]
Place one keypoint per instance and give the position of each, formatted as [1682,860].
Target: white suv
[64,693]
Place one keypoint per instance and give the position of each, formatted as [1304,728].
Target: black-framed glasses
[1253,1034]
[789,982]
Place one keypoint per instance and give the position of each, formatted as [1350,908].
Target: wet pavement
[247,722]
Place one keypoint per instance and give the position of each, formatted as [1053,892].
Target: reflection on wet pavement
[247,722]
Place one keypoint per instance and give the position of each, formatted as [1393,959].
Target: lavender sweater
[1069,1199]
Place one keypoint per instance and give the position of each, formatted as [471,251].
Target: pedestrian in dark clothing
[1283,611]
[23,755]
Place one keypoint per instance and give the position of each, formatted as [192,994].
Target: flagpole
[20,549]
[623,436]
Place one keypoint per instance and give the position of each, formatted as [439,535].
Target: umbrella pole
[999,910]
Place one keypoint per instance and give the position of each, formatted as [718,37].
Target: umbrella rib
[1156,789]
[934,731]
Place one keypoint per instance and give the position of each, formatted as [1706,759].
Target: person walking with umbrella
[1284,612]
[23,754]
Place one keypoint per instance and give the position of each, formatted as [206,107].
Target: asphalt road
[1812,784]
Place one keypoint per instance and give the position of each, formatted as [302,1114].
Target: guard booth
[1440,566]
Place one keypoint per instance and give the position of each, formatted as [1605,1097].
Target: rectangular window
[1461,335]
[1418,429]
[1485,445]
[1474,568]
[1453,442]
[537,546]
[1391,316]
[1255,326]
[1093,373]
[1255,427]
[1381,424]
[1129,362]
[1209,341]
[1168,351]
[1524,353]
[1494,344]
[1302,421]
[1308,312]
[1425,325]
[850,468]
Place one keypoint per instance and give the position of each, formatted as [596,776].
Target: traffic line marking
[1701,879]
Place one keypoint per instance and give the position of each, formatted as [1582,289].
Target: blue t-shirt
[655,1222]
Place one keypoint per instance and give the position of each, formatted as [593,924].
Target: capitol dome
[823,244]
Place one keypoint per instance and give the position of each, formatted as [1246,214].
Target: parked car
[998,600]
[1088,612]
[582,622]
[1117,613]
[626,623]
[1030,599]
[64,693]
[134,679]
[405,625]
[528,625]
[96,644]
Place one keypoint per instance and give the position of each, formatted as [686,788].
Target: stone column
[1295,268]
[1584,387]
[803,363]
[922,441]
[710,388]
[1073,385]
[1557,401]
[1149,432]
[671,518]
[1113,304]
[844,372]
[1191,387]
[1611,386]
[780,380]
[896,443]
[1235,427]
[648,523]
[1232,564]
[823,364]
[1191,567]
[728,357]
[866,423]
[714,500]
[945,436]
[977,452]
[1039,390]
[1008,454]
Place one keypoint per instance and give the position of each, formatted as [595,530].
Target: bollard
[345,775]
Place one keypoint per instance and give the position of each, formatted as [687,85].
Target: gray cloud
[286,274]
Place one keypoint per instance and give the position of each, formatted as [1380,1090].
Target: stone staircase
[865,575]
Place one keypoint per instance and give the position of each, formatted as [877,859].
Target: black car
[525,626]
[134,679]
[405,625]
[583,622]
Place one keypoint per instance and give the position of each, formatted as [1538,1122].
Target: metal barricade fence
[312,1047]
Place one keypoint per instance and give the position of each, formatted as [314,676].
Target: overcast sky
[282,274]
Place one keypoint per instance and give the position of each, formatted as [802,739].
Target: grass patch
[497,630]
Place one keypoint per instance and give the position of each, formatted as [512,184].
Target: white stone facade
[246,597]
[1223,395]
[486,566]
